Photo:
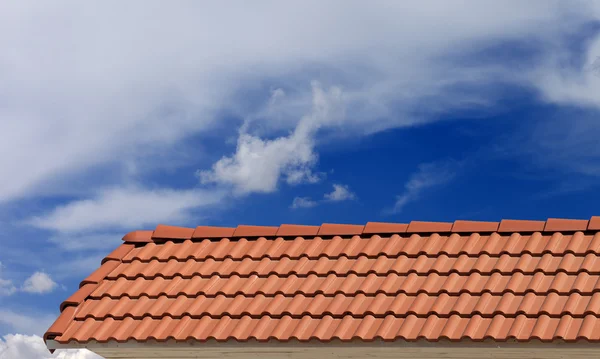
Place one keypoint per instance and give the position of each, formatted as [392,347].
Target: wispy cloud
[340,193]
[429,175]
[6,286]
[125,208]
[114,114]
[303,202]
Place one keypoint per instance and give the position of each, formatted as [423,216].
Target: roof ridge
[166,232]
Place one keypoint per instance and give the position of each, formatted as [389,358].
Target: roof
[473,281]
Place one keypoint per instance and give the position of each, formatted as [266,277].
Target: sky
[119,116]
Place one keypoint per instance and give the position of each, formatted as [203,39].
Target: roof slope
[465,280]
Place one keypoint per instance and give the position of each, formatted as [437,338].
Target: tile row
[402,265]
[372,246]
[381,305]
[475,283]
[432,328]
[164,232]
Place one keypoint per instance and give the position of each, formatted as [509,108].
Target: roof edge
[551,225]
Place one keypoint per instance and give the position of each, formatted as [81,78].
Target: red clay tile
[381,228]
[79,296]
[212,232]
[492,281]
[101,272]
[594,224]
[328,229]
[429,227]
[172,232]
[289,230]
[62,322]
[119,253]
[558,225]
[138,237]
[513,226]
[474,226]
[255,231]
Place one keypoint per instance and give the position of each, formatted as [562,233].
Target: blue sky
[117,118]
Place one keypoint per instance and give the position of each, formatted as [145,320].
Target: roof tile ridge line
[185,233]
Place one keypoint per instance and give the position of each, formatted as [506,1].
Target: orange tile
[381,228]
[289,230]
[138,237]
[511,225]
[328,229]
[212,232]
[429,227]
[594,224]
[474,226]
[60,325]
[119,253]
[520,280]
[558,225]
[255,231]
[172,232]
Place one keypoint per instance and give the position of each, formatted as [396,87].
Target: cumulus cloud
[125,208]
[428,176]
[303,202]
[33,347]
[259,164]
[340,193]
[39,283]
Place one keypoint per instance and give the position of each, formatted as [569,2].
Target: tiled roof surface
[465,280]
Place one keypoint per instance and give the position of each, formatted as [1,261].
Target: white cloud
[258,164]
[303,202]
[30,324]
[428,176]
[6,286]
[340,193]
[39,283]
[112,88]
[33,347]
[125,208]
[89,241]
[560,82]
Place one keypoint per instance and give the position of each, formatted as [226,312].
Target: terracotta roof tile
[328,229]
[429,227]
[465,280]
[212,232]
[138,237]
[594,223]
[172,232]
[289,230]
[255,231]
[380,228]
[511,225]
[474,226]
[557,225]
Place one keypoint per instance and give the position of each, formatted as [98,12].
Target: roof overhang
[316,349]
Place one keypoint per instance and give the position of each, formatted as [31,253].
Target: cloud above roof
[88,105]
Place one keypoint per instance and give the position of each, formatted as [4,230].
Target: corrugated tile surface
[466,280]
